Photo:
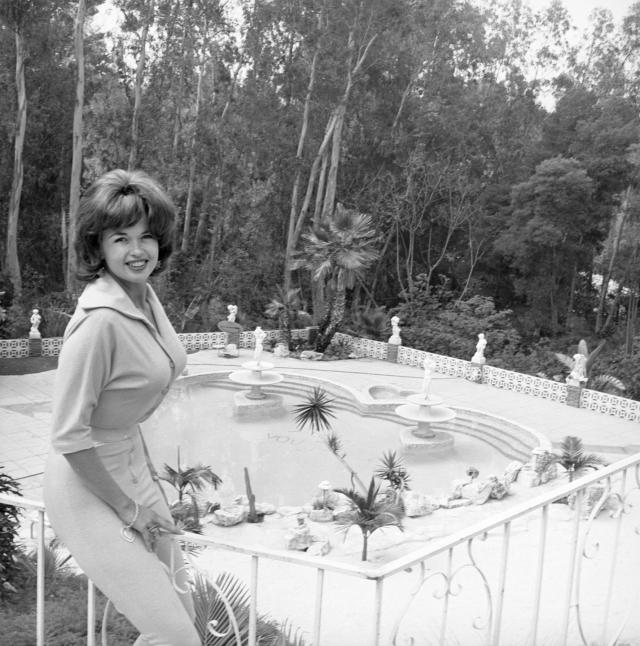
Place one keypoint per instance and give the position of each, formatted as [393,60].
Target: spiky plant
[370,513]
[187,482]
[316,411]
[574,459]
[392,470]
[334,445]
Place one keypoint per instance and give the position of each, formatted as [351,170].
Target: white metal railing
[537,573]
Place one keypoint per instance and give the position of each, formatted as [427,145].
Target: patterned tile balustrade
[497,377]
[363,347]
[610,404]
[51,347]
[525,384]
[14,348]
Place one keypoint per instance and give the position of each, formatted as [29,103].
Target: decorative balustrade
[538,573]
[490,375]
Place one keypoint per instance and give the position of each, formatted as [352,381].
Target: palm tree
[187,482]
[371,514]
[283,307]
[337,252]
[573,458]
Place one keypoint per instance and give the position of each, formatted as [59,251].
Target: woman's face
[130,254]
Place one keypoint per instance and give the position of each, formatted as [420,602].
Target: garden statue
[395,339]
[34,333]
[426,382]
[259,334]
[578,375]
[478,357]
[232,330]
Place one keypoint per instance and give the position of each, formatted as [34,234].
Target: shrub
[9,523]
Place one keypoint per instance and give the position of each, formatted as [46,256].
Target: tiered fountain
[425,410]
[256,374]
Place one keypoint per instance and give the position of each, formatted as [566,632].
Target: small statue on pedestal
[478,357]
[35,319]
[259,335]
[395,339]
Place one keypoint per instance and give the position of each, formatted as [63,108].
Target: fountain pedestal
[255,402]
[425,411]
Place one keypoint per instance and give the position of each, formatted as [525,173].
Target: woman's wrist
[128,512]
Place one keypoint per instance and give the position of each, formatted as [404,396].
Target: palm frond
[606,384]
[315,412]
[334,443]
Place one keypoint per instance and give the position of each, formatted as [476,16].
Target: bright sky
[580,9]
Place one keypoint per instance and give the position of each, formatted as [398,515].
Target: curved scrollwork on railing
[450,586]
[607,537]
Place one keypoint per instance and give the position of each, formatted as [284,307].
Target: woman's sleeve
[83,371]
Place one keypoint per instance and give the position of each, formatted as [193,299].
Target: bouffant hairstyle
[118,200]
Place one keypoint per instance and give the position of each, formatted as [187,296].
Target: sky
[580,9]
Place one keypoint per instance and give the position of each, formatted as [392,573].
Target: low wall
[593,400]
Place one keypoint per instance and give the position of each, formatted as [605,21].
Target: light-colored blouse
[114,368]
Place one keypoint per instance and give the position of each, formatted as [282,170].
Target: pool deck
[25,408]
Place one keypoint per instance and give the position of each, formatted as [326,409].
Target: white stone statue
[233,311]
[35,319]
[259,334]
[395,339]
[578,375]
[478,357]
[426,381]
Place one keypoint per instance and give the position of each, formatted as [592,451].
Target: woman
[119,358]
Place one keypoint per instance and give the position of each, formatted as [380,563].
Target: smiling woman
[120,356]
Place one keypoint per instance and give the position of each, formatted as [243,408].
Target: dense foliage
[492,151]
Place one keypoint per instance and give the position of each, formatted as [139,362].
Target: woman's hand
[150,525]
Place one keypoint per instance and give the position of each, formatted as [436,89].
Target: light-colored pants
[137,582]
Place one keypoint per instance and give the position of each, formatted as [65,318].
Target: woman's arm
[90,468]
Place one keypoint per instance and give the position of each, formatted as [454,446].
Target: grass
[27,365]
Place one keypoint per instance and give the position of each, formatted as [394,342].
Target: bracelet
[126,532]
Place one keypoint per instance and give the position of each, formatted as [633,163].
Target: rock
[477,492]
[228,516]
[289,511]
[265,508]
[321,515]
[417,504]
[319,547]
[280,350]
[461,502]
[343,514]
[498,489]
[512,471]
[299,537]
[528,477]
[311,355]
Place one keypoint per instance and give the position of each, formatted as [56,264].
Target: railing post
[253,603]
[40,581]
[91,613]
[317,618]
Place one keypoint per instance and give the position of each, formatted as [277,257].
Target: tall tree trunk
[12,263]
[192,167]
[632,315]
[137,100]
[77,143]
[291,240]
[619,228]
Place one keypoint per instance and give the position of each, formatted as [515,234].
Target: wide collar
[105,291]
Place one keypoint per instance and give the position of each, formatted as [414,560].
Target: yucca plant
[371,513]
[574,459]
[393,471]
[316,413]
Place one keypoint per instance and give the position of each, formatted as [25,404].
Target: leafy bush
[9,523]
[434,322]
